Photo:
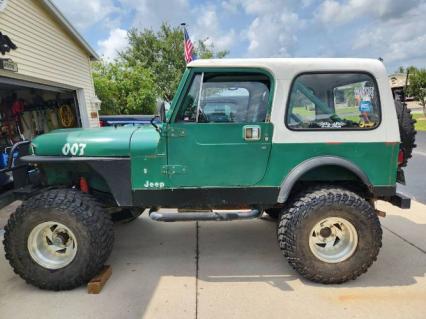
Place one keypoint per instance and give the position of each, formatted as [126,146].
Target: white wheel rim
[52,245]
[333,240]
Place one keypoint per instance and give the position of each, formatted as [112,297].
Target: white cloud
[203,20]
[150,14]
[208,28]
[116,42]
[272,32]
[396,40]
[280,37]
[86,13]
[337,12]
[392,29]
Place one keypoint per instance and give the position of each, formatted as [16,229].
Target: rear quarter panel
[374,151]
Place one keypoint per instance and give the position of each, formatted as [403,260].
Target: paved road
[415,172]
[232,270]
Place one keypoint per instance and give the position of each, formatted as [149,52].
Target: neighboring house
[45,72]
[397,84]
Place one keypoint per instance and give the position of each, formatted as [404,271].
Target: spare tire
[407,130]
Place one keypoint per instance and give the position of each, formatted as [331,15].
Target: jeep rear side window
[226,98]
[333,101]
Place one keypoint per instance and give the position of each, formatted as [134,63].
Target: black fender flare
[302,168]
[114,170]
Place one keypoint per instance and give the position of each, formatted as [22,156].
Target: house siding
[47,53]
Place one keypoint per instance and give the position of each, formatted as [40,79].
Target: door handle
[252,132]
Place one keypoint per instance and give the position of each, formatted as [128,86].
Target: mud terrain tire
[83,215]
[313,207]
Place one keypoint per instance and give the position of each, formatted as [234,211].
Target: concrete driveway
[232,270]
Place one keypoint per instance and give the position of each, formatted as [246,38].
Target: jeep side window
[187,111]
[226,98]
[333,101]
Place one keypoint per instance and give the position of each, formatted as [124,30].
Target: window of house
[226,98]
[333,101]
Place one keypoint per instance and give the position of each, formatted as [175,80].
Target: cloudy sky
[392,29]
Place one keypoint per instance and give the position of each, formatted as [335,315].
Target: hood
[105,141]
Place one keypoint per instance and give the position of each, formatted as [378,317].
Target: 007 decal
[75,149]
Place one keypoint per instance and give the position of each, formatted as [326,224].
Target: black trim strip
[206,197]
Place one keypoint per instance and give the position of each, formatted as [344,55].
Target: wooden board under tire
[98,282]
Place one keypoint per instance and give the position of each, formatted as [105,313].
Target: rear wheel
[58,239]
[330,235]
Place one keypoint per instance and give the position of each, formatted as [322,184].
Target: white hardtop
[283,68]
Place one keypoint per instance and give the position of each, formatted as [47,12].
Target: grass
[347,113]
[421,121]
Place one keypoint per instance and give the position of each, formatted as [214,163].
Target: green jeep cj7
[311,142]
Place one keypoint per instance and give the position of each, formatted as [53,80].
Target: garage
[28,110]
[44,64]
[45,74]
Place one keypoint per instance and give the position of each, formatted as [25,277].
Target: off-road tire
[311,207]
[407,130]
[81,213]
[127,215]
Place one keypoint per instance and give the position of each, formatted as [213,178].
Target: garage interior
[28,110]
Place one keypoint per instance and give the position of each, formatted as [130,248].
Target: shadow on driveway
[248,252]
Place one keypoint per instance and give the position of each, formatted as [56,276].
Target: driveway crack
[197,258]
[405,240]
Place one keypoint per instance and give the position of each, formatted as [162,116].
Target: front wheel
[330,235]
[58,239]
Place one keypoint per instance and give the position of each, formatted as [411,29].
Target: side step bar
[187,217]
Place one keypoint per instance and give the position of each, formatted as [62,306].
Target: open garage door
[29,109]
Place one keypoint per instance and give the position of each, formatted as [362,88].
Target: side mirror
[161,111]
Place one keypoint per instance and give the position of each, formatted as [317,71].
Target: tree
[162,53]
[205,51]
[400,69]
[410,69]
[124,89]
[150,68]
[417,87]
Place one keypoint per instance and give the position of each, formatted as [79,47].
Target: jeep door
[219,134]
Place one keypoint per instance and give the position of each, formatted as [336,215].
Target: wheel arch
[318,162]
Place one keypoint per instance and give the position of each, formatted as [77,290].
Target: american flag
[188,47]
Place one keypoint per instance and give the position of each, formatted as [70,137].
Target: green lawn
[347,113]
[421,121]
